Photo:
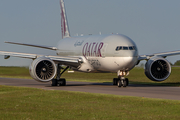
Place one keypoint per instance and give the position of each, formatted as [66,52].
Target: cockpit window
[134,47]
[125,48]
[131,48]
[118,48]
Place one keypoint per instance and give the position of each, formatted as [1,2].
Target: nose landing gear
[121,80]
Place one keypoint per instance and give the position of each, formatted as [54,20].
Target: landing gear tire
[115,81]
[54,82]
[124,83]
[127,81]
[62,82]
[119,84]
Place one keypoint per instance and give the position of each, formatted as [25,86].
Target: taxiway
[148,91]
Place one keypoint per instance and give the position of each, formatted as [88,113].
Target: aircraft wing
[32,45]
[162,54]
[70,61]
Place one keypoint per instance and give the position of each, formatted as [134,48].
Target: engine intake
[42,69]
[157,69]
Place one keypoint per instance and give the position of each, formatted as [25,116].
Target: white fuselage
[101,53]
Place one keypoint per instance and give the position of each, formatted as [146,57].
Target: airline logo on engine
[92,49]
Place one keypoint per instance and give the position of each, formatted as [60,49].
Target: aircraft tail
[64,23]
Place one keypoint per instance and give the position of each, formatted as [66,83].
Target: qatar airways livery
[100,53]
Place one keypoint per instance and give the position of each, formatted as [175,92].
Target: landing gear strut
[59,81]
[121,80]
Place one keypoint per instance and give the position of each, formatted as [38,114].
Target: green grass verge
[29,104]
[136,76]
[14,72]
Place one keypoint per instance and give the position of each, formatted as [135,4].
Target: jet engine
[157,69]
[42,69]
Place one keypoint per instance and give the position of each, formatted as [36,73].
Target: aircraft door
[103,50]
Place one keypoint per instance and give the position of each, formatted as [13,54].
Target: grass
[15,72]
[136,76]
[29,103]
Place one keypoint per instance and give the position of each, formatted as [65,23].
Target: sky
[154,25]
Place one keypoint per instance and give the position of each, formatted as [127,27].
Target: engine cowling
[157,69]
[42,69]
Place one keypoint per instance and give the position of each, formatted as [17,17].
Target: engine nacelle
[42,69]
[157,69]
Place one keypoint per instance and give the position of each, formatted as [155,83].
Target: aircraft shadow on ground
[172,84]
[176,84]
[84,84]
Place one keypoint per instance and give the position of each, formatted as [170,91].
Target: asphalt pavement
[148,91]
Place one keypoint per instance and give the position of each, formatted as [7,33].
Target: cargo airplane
[94,53]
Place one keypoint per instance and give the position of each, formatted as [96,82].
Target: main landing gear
[121,80]
[59,81]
